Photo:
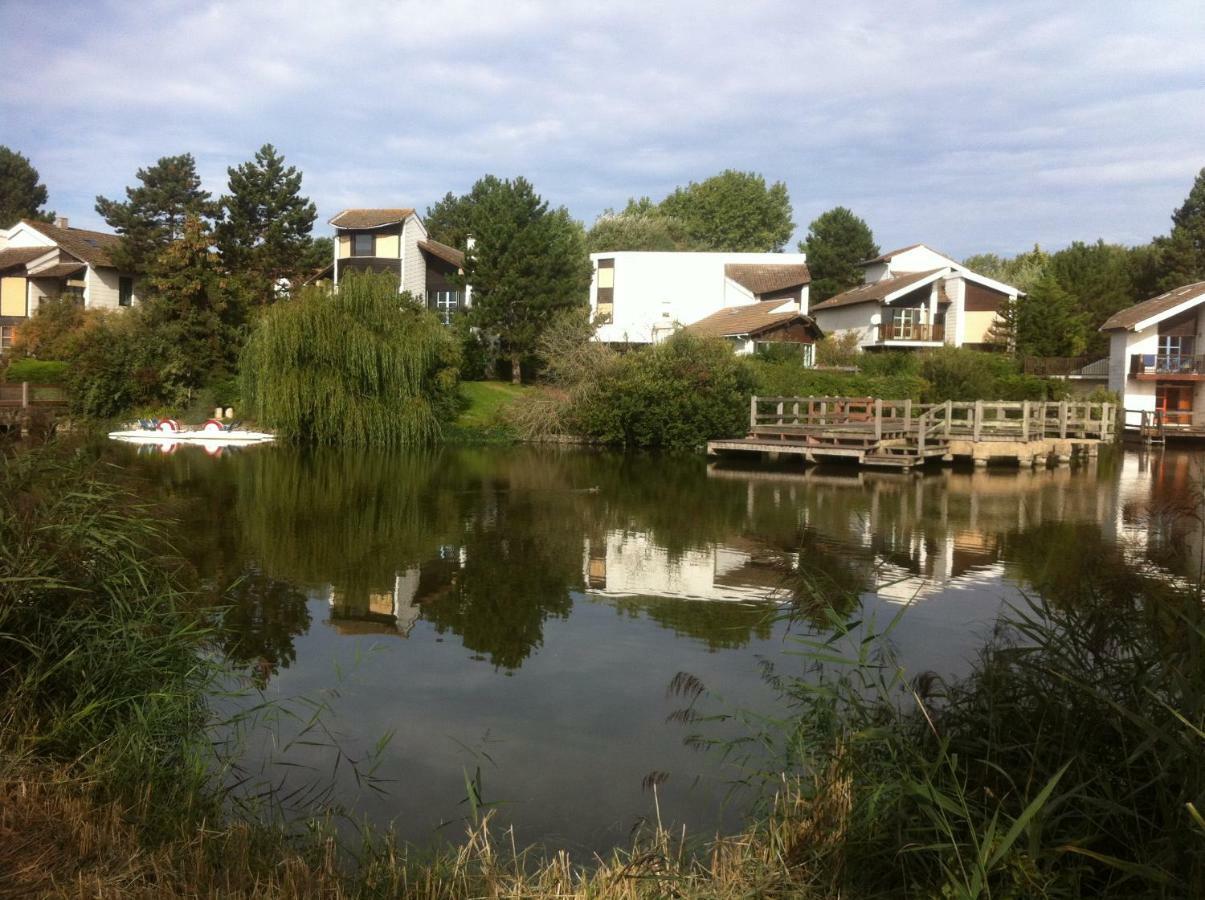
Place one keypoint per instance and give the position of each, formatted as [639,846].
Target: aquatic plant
[363,366]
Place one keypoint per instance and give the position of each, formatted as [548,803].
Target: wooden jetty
[26,407]
[903,434]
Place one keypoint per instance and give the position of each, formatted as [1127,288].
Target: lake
[521,612]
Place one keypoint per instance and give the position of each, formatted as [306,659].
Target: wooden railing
[910,331]
[1023,420]
[23,395]
[1171,365]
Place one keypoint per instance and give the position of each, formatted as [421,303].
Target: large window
[1175,352]
[606,292]
[125,290]
[6,337]
[363,245]
[444,303]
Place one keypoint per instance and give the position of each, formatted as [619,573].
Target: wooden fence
[24,395]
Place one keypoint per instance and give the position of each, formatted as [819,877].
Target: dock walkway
[903,434]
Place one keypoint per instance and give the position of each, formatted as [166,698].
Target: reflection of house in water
[630,563]
[394,611]
[1156,518]
[960,559]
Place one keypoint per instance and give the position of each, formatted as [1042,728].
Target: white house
[1153,361]
[395,240]
[639,297]
[915,297]
[39,260]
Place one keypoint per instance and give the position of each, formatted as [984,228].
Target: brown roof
[884,257]
[58,270]
[12,257]
[90,246]
[875,292]
[765,278]
[1128,318]
[750,319]
[370,218]
[443,251]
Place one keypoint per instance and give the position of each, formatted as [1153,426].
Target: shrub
[675,395]
[361,367]
[838,350]
[791,380]
[36,371]
[117,367]
[955,373]
[53,330]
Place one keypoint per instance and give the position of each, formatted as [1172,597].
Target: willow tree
[362,367]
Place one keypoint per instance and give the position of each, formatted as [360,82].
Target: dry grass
[56,840]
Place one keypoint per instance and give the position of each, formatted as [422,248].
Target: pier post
[977,425]
[878,418]
[25,395]
[1062,418]
[907,415]
[1025,420]
[949,416]
[752,413]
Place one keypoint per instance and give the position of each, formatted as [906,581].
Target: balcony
[1176,367]
[910,332]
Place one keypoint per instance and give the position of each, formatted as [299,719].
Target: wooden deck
[903,434]
[30,407]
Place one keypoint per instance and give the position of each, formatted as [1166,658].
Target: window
[444,303]
[1175,353]
[363,245]
[6,337]
[903,323]
[125,291]
[73,290]
[606,292]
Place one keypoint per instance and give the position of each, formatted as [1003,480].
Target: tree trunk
[516,369]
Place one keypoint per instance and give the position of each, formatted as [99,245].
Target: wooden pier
[903,434]
[31,408]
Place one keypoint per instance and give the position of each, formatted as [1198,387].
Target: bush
[116,368]
[675,395]
[357,368]
[773,379]
[838,350]
[36,371]
[955,373]
[53,330]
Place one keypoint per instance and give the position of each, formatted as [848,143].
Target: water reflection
[547,597]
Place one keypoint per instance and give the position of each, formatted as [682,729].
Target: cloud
[1065,123]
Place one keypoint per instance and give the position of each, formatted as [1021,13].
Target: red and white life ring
[168,425]
[212,425]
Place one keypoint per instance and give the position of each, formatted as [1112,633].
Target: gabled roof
[878,291]
[91,247]
[442,251]
[12,257]
[58,270]
[1150,312]
[886,257]
[370,218]
[765,278]
[751,319]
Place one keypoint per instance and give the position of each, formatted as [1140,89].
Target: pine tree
[155,212]
[529,263]
[450,220]
[733,212]
[1049,321]
[837,241]
[263,233]
[22,195]
[1180,255]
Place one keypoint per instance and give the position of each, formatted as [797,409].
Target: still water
[522,612]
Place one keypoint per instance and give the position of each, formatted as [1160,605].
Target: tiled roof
[765,278]
[12,257]
[1128,318]
[885,257]
[91,246]
[750,319]
[370,218]
[58,270]
[448,254]
[875,292]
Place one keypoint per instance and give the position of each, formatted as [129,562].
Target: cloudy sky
[972,126]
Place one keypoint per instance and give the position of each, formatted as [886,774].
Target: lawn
[486,401]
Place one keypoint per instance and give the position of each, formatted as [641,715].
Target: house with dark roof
[641,297]
[39,260]
[1153,361]
[916,297]
[395,240]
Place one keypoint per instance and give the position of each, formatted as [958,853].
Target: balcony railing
[911,331]
[1166,365]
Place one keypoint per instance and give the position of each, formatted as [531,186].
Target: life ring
[168,425]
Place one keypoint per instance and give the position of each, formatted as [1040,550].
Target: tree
[450,221]
[529,264]
[635,230]
[733,211]
[264,230]
[837,241]
[1049,322]
[154,213]
[22,195]
[1183,251]
[1098,277]
[1022,271]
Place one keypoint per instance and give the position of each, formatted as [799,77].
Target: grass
[483,416]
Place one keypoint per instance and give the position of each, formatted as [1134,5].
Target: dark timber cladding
[982,299]
[375,264]
[441,274]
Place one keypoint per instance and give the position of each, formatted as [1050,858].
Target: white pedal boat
[213,433]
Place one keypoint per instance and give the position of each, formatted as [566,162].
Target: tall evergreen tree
[1183,251]
[1049,321]
[1022,271]
[264,229]
[154,213]
[837,241]
[529,263]
[450,220]
[734,212]
[22,194]
[1098,278]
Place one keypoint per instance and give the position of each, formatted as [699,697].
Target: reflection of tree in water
[721,625]
[263,618]
[829,575]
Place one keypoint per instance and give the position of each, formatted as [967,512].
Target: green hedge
[36,371]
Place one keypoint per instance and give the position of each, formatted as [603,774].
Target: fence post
[795,412]
[920,431]
[779,411]
[1062,418]
[878,419]
[908,415]
[978,423]
[949,416]
[25,395]
[752,412]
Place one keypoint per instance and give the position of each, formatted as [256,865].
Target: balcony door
[1175,402]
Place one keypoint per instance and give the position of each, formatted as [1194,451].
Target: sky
[971,126]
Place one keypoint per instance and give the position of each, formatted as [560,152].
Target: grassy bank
[483,413]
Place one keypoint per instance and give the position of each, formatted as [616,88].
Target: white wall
[856,317]
[653,291]
[414,267]
[918,259]
[1136,395]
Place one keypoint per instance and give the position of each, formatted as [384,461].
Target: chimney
[61,222]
